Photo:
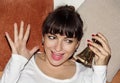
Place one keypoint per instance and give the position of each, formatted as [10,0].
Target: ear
[42,40]
[78,44]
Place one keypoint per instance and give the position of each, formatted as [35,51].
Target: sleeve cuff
[99,68]
[19,58]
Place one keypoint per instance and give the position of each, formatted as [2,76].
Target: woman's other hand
[18,46]
[102,52]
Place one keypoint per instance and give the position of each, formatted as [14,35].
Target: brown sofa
[116,78]
[30,11]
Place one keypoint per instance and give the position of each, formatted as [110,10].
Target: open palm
[20,41]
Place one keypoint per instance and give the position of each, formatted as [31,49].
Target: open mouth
[57,56]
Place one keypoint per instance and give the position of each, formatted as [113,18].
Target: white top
[20,70]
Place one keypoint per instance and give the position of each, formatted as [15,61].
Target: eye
[51,37]
[69,40]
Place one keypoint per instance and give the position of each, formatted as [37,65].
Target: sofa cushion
[30,11]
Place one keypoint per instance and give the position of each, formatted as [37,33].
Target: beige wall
[103,16]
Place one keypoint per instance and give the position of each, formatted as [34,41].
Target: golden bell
[85,57]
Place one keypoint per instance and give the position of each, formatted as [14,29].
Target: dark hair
[64,21]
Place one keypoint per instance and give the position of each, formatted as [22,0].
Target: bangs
[62,28]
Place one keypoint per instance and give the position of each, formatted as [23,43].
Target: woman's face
[59,48]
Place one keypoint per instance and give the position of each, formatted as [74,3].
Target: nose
[58,46]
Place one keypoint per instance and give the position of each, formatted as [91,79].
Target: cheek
[70,49]
[49,44]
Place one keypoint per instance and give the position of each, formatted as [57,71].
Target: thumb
[34,50]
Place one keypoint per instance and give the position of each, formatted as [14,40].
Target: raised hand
[102,52]
[20,41]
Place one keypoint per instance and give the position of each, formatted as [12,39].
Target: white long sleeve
[13,69]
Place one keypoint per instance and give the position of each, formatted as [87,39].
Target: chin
[56,63]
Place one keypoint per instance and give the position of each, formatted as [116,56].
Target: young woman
[62,32]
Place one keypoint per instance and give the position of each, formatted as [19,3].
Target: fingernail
[89,44]
[93,34]
[97,34]
[88,40]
